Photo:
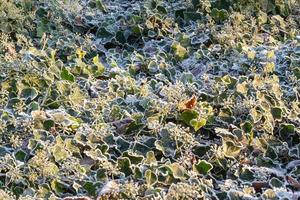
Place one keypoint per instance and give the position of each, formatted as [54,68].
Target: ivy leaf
[287,129]
[29,93]
[134,158]
[58,186]
[247,127]
[124,165]
[80,53]
[296,72]
[191,103]
[66,75]
[150,158]
[179,51]
[59,152]
[247,175]
[51,168]
[100,67]
[219,15]
[230,149]
[90,188]
[20,155]
[151,178]
[101,6]
[48,124]
[197,124]
[177,170]
[188,115]
[202,167]
[277,113]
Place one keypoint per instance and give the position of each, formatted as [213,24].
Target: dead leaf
[78,21]
[258,185]
[11,50]
[189,104]
[293,182]
[122,124]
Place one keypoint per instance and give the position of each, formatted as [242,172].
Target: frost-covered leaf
[202,167]
[150,177]
[29,93]
[179,51]
[66,75]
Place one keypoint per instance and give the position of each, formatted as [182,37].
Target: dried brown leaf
[293,182]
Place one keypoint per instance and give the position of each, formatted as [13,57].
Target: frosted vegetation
[149,99]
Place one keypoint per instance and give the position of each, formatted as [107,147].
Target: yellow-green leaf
[100,66]
[80,53]
[179,51]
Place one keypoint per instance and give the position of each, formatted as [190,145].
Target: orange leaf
[191,103]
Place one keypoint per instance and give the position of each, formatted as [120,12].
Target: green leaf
[20,155]
[197,124]
[151,178]
[33,106]
[162,9]
[48,124]
[103,33]
[18,190]
[58,186]
[120,37]
[101,6]
[101,175]
[137,174]
[247,175]
[287,129]
[90,188]
[219,15]
[66,75]
[188,115]
[276,113]
[202,167]
[296,72]
[125,165]
[134,158]
[247,127]
[29,93]
[276,183]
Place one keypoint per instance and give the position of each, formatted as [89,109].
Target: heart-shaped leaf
[197,124]
[202,167]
